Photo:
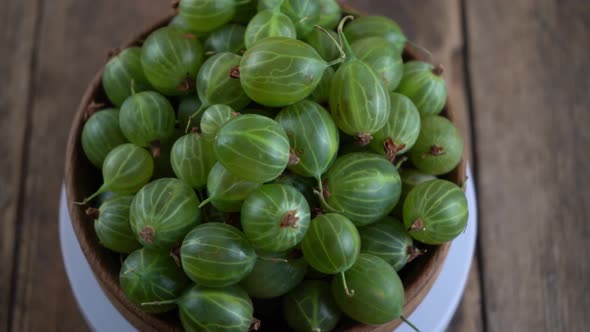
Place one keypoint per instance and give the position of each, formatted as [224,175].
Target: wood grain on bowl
[82,179]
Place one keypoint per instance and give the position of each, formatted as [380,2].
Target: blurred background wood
[518,74]
[60,45]
[528,62]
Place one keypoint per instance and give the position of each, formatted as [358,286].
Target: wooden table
[519,76]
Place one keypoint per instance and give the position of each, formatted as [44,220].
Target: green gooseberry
[275,217]
[101,134]
[226,191]
[401,129]
[253,147]
[332,244]
[302,184]
[269,23]
[214,118]
[279,71]
[423,84]
[192,159]
[389,240]
[217,255]
[149,276]
[245,11]
[330,14]
[435,211]
[384,60]
[216,85]
[126,169]
[358,101]
[378,291]
[226,309]
[321,94]
[311,307]
[207,15]
[410,178]
[163,212]
[305,14]
[111,224]
[229,38]
[313,137]
[171,60]
[439,146]
[189,111]
[362,186]
[146,118]
[376,26]
[322,42]
[123,75]
[182,23]
[274,275]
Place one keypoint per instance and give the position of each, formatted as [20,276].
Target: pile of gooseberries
[272,150]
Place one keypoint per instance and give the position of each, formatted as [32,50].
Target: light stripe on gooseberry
[253,147]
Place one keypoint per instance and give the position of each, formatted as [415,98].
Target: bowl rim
[414,293]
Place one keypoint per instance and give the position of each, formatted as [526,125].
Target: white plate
[433,314]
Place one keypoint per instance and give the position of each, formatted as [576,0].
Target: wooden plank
[75,36]
[18,21]
[468,316]
[529,67]
[437,26]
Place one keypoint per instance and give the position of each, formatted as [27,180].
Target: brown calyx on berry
[293,158]
[188,84]
[155,147]
[392,149]
[92,212]
[414,252]
[147,234]
[438,70]
[255,325]
[234,72]
[290,219]
[417,226]
[196,130]
[434,150]
[175,4]
[362,139]
[234,114]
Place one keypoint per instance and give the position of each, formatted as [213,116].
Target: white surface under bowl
[433,314]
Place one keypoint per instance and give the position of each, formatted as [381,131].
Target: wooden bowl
[82,179]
